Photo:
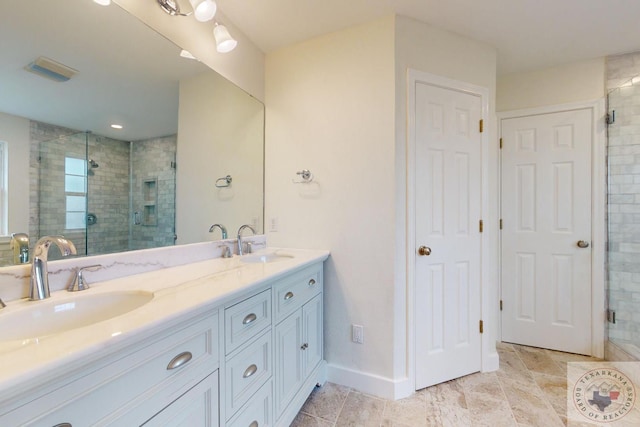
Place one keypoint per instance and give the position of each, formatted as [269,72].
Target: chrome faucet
[79,283]
[222,228]
[39,285]
[20,245]
[240,230]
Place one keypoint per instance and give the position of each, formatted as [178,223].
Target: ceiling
[528,34]
[133,84]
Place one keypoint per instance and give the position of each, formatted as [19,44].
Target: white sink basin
[42,318]
[265,258]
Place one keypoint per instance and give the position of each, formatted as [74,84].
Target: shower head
[93,163]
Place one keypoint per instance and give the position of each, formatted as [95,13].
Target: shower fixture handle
[582,244]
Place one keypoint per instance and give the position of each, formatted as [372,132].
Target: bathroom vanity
[222,342]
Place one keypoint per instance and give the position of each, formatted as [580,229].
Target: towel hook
[305,177]
[224,181]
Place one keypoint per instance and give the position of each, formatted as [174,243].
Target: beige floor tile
[326,401]
[529,389]
[528,404]
[410,411]
[537,360]
[554,390]
[304,420]
[361,410]
[511,366]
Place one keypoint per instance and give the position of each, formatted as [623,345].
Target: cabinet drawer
[147,380]
[197,407]
[246,372]
[246,319]
[294,291]
[257,412]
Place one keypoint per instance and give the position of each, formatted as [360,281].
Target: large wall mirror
[159,180]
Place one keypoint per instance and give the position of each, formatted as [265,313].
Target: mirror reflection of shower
[92,165]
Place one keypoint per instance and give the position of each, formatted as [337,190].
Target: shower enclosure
[623,157]
[103,194]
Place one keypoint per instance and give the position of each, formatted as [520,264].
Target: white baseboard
[372,384]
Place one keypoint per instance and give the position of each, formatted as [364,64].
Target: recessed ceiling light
[115,126]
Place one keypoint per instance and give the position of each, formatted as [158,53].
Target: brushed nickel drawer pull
[250,371]
[254,424]
[249,318]
[179,360]
[312,282]
[288,295]
[304,346]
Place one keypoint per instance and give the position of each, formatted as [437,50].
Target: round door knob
[424,251]
[583,244]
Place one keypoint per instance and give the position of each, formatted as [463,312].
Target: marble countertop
[179,293]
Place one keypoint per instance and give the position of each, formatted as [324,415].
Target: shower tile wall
[624,198]
[108,196]
[153,159]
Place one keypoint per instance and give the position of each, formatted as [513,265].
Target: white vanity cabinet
[131,386]
[250,361]
[298,340]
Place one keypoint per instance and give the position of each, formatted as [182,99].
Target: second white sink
[42,318]
[266,258]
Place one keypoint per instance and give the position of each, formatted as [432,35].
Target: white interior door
[448,191]
[546,236]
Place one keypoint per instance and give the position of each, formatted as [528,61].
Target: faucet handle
[226,251]
[79,283]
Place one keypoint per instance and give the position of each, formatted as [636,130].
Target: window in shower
[75,187]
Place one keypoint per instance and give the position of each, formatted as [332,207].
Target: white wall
[244,66]
[15,132]
[336,105]
[220,132]
[573,82]
[331,108]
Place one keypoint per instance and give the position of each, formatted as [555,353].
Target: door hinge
[500,223]
[500,305]
[501,143]
[481,327]
[481,125]
[481,226]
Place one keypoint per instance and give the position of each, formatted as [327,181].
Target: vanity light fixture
[203,10]
[224,42]
[103,2]
[116,126]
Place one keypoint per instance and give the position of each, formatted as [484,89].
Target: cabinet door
[312,334]
[196,408]
[289,369]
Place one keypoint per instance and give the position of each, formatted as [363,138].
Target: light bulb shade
[204,10]
[224,42]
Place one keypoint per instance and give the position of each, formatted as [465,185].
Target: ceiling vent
[51,69]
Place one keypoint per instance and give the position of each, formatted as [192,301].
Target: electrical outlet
[357,334]
[273,224]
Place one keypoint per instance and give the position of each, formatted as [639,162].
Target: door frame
[598,207]
[489,261]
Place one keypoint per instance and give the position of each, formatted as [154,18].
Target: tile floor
[529,389]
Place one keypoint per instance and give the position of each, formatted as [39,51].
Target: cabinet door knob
[288,295]
[249,318]
[304,346]
[179,360]
[312,282]
[69,425]
[250,371]
[254,424]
